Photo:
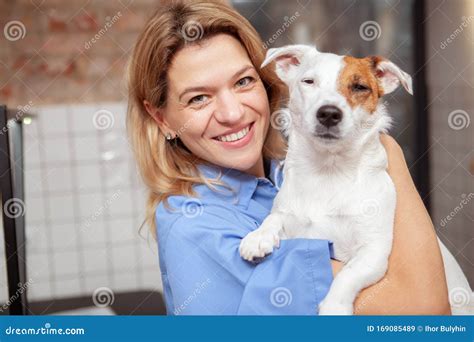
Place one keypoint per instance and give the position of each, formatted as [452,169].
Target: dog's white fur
[335,189]
[339,189]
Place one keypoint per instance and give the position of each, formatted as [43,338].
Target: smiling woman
[199,121]
[214,87]
[193,82]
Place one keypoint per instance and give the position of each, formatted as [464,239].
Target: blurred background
[72,199]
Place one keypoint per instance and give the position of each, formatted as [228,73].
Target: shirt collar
[243,184]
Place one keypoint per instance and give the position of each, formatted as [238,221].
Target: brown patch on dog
[360,72]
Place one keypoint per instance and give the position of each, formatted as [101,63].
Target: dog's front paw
[330,308]
[258,243]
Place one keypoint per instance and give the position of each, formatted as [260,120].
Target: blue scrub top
[201,268]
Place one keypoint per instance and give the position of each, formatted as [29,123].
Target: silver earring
[168,136]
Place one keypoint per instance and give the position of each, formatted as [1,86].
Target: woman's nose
[229,109]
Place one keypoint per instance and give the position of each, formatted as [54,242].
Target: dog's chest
[330,206]
[316,195]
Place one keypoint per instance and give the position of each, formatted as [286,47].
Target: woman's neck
[258,170]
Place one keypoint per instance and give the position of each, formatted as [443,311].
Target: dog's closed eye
[308,80]
[358,87]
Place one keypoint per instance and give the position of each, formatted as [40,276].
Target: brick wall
[54,51]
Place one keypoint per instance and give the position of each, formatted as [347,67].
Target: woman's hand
[415,282]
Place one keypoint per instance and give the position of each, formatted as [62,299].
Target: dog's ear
[390,75]
[287,59]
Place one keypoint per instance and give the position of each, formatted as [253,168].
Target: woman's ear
[158,115]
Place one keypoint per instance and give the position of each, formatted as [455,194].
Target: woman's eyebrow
[192,89]
[204,89]
[244,69]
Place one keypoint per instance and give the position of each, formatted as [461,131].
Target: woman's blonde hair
[170,169]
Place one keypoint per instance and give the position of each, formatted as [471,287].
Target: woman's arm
[415,280]
[205,274]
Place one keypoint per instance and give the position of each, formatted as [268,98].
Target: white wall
[84,204]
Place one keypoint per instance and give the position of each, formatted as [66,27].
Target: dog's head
[334,98]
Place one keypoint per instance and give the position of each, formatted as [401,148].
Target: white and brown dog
[336,184]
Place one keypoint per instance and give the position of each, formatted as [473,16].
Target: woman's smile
[236,138]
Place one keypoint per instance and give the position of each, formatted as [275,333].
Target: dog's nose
[329,115]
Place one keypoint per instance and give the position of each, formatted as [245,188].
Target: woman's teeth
[234,136]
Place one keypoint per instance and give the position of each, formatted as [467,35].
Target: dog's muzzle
[328,118]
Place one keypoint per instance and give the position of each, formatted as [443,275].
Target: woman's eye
[244,81]
[308,80]
[357,87]
[199,99]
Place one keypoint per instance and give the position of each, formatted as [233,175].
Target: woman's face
[217,104]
